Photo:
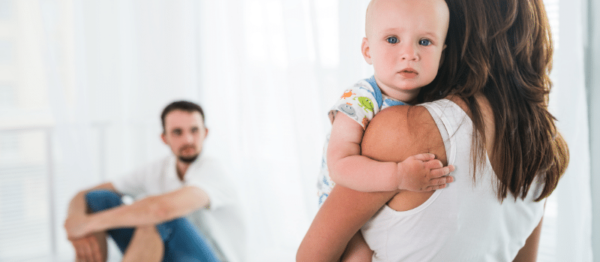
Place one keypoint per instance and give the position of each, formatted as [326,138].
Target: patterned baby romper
[361,102]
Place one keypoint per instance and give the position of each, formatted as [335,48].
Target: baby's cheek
[430,70]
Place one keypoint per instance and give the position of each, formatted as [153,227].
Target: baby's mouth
[408,73]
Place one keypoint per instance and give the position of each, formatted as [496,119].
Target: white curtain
[569,209]
[259,84]
[265,71]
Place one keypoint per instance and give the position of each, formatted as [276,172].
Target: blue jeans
[182,241]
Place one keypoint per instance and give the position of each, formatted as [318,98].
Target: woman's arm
[529,252]
[394,135]
[357,250]
[341,216]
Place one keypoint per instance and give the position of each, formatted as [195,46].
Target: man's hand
[87,249]
[423,173]
[77,226]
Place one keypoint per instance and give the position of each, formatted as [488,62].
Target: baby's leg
[357,250]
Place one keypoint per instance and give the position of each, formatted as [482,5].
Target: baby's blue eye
[424,42]
[392,40]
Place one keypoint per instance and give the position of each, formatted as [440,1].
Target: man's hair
[183,106]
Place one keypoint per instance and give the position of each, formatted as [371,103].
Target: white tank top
[463,222]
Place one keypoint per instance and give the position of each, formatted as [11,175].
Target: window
[24,220]
[547,248]
[7,97]
[5,9]
[6,50]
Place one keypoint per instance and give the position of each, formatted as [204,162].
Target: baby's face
[404,43]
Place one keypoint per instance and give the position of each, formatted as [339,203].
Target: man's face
[184,134]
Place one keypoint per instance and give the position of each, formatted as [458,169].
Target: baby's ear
[366,51]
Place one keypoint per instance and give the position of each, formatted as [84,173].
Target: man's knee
[181,224]
[99,200]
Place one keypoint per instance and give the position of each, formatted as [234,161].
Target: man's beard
[188,159]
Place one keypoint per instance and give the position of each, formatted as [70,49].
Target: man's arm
[153,210]
[88,248]
[148,211]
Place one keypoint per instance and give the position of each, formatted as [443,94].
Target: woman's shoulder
[484,104]
[459,101]
[411,113]
[413,129]
[399,132]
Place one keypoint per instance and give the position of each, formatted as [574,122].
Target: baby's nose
[409,53]
[411,56]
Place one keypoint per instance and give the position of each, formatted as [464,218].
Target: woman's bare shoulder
[486,114]
[399,132]
[459,101]
[484,104]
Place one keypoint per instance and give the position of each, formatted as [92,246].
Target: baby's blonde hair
[367,18]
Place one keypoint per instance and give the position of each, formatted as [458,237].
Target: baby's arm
[348,168]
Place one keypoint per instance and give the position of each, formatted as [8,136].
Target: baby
[404,43]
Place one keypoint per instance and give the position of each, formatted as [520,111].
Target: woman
[493,125]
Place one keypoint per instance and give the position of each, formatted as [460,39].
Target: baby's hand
[423,173]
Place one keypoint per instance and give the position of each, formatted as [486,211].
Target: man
[153,228]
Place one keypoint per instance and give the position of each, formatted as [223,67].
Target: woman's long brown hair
[502,49]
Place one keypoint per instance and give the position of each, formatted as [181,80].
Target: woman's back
[463,222]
